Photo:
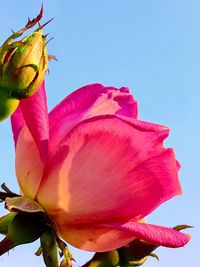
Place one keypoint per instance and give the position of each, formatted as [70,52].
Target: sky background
[151,46]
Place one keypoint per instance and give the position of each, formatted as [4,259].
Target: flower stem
[5,245]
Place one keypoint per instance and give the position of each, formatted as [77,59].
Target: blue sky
[151,46]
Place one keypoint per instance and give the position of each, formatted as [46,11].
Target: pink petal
[89,101]
[35,115]
[121,167]
[17,122]
[111,236]
[158,235]
[94,238]
[29,166]
[30,129]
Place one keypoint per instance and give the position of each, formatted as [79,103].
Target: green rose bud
[23,65]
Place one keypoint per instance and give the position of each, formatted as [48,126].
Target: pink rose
[97,170]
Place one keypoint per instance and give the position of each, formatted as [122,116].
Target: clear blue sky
[153,47]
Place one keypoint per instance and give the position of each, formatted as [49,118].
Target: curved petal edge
[158,235]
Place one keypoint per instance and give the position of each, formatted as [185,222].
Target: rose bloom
[95,168]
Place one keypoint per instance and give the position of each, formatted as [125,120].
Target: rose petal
[17,123]
[94,238]
[109,236]
[34,110]
[29,166]
[121,167]
[86,102]
[158,235]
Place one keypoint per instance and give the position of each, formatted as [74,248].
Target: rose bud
[23,65]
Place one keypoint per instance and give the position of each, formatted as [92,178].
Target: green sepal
[136,263]
[39,251]
[8,104]
[24,228]
[49,249]
[135,253]
[5,222]
[153,255]
[68,259]
[104,259]
[182,227]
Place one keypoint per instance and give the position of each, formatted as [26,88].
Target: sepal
[8,105]
[49,249]
[104,259]
[135,253]
[22,204]
[5,222]
[67,258]
[182,227]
